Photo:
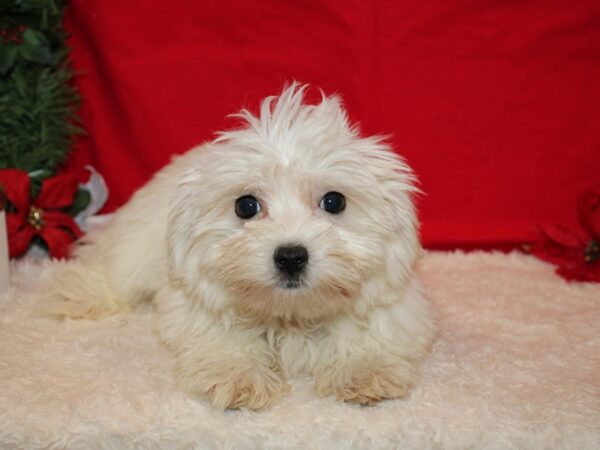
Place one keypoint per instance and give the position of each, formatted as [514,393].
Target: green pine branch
[37,102]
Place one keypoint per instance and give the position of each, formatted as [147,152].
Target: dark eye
[247,207]
[333,202]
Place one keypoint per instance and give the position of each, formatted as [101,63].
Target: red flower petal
[57,192]
[580,272]
[58,241]
[15,184]
[564,236]
[14,222]
[55,219]
[589,213]
[19,240]
[554,253]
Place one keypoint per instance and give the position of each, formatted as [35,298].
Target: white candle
[3,253]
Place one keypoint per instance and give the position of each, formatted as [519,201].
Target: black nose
[290,259]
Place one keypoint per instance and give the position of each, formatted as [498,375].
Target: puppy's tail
[78,291]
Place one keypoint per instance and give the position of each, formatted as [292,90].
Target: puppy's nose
[290,259]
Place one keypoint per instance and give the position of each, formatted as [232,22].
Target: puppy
[286,246]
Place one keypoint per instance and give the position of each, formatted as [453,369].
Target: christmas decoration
[37,103]
[43,217]
[576,251]
[38,122]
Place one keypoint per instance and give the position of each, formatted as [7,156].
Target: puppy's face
[293,216]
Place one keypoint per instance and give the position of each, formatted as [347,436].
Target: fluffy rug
[516,365]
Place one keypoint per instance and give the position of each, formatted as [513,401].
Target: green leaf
[82,200]
[44,19]
[37,54]
[8,55]
[40,174]
[34,38]
[38,103]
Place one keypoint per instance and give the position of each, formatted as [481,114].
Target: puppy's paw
[78,292]
[252,390]
[60,307]
[365,386]
[244,391]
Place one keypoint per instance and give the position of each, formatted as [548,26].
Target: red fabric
[495,104]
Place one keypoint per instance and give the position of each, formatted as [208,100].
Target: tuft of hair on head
[282,116]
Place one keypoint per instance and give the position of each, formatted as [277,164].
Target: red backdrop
[496,105]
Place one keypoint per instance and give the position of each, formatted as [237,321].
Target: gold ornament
[36,218]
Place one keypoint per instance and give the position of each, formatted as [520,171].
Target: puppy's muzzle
[291,260]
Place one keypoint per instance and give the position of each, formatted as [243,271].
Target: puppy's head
[293,216]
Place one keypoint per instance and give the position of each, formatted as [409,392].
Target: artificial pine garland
[37,124]
[37,103]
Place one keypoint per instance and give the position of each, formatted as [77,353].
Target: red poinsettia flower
[575,252]
[43,217]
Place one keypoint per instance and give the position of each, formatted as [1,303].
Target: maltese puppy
[286,246]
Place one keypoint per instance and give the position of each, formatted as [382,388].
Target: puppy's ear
[398,188]
[180,230]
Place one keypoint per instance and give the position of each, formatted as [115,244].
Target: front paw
[365,386]
[234,389]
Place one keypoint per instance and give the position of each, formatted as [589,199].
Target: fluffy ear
[197,221]
[180,228]
[398,187]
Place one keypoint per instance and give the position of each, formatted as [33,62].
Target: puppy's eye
[247,207]
[333,202]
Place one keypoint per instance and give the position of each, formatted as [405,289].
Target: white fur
[360,325]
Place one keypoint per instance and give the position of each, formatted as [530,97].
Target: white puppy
[286,246]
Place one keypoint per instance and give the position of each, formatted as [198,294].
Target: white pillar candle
[3,253]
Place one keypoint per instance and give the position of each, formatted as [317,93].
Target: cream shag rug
[516,365]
